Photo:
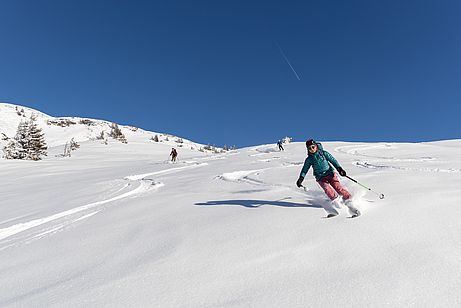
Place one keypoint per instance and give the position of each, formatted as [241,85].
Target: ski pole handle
[351,179]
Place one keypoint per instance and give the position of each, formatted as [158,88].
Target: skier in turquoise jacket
[321,162]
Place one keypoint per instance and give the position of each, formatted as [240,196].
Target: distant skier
[173,154]
[279,144]
[324,173]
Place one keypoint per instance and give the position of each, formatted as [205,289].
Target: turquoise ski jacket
[320,162]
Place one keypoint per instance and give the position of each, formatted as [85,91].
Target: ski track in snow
[162,172]
[380,162]
[354,150]
[268,160]
[264,150]
[63,219]
[87,216]
[265,160]
[52,230]
[56,222]
[375,166]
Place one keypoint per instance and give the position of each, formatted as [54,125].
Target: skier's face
[312,148]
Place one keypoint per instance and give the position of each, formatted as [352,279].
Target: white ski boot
[330,208]
[352,209]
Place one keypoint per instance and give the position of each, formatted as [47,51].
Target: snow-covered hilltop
[60,130]
[119,225]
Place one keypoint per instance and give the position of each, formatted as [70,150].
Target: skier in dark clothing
[321,162]
[173,154]
[279,143]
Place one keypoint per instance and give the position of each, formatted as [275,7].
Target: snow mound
[237,175]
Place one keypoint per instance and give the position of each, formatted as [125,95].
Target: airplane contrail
[286,59]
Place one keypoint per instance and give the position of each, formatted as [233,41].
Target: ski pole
[381,196]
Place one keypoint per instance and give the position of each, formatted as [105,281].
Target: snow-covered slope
[119,226]
[59,131]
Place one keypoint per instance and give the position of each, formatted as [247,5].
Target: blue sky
[212,71]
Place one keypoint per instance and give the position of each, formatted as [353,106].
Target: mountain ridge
[60,130]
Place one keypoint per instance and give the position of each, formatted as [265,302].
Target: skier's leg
[346,196]
[328,207]
[334,181]
[329,191]
[331,211]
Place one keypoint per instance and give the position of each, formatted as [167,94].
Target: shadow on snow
[257,203]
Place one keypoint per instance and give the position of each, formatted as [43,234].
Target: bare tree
[116,133]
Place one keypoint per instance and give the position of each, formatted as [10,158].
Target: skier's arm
[305,169]
[332,160]
[335,163]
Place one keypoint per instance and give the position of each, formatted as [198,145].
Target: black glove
[341,171]
[300,181]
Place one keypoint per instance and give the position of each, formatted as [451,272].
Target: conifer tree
[29,142]
[22,139]
[11,150]
[37,145]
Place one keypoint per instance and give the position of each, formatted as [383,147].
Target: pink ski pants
[331,185]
